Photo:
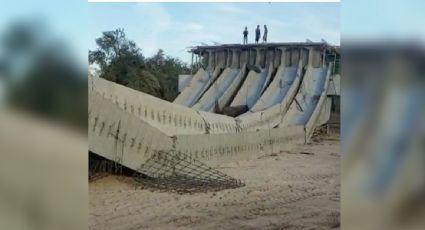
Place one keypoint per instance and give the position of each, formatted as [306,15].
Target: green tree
[121,61]
[167,69]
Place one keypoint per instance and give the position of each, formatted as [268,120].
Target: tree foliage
[121,61]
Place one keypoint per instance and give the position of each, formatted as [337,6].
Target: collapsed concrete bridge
[283,88]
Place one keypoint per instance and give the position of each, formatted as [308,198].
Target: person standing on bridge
[257,34]
[245,35]
[265,34]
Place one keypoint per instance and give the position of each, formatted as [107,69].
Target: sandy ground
[297,189]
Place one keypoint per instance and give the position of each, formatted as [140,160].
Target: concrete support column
[269,57]
[223,59]
[210,59]
[225,55]
[243,57]
[276,58]
[304,53]
[282,56]
[205,58]
[315,57]
[311,53]
[191,65]
[216,59]
[258,57]
[295,56]
[226,58]
[235,58]
[230,54]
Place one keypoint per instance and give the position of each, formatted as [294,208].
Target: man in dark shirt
[265,34]
[245,36]
[257,34]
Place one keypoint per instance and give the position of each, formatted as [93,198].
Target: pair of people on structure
[257,34]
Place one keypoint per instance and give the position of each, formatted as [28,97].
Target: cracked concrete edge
[168,117]
[273,115]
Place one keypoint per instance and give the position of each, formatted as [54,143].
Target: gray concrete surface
[210,98]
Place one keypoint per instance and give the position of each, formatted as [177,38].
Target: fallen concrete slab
[307,97]
[122,137]
[251,89]
[210,98]
[196,87]
[277,89]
